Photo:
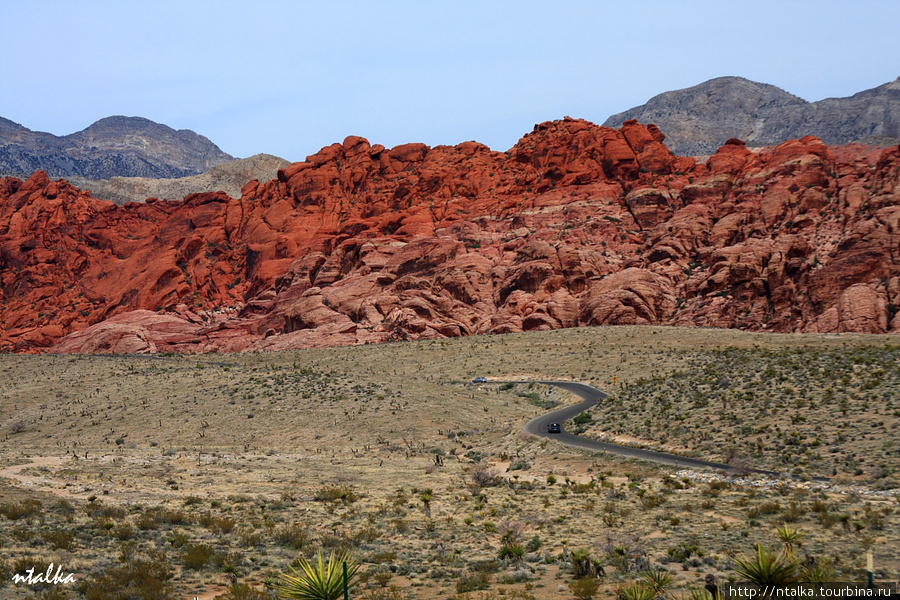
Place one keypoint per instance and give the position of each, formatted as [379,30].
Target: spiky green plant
[818,573]
[512,552]
[767,568]
[636,591]
[698,593]
[318,580]
[658,580]
[583,565]
[789,537]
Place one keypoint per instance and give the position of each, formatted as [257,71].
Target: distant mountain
[228,177]
[698,120]
[114,146]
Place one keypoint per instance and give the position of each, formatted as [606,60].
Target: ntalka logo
[48,577]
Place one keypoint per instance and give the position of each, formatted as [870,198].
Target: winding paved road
[591,397]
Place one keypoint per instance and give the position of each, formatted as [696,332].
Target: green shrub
[585,588]
[197,556]
[682,552]
[335,493]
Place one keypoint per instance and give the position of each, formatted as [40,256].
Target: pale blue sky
[290,77]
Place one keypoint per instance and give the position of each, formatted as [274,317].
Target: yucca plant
[318,580]
[512,552]
[585,566]
[698,593]
[789,536]
[766,568]
[817,573]
[636,591]
[658,580]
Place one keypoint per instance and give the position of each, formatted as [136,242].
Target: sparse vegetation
[341,455]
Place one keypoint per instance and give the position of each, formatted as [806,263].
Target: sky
[290,77]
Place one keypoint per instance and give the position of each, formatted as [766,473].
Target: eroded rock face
[575,225]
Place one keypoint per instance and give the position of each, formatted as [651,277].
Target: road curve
[591,396]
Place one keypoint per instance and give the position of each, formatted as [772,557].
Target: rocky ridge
[228,177]
[575,225]
[699,119]
[114,146]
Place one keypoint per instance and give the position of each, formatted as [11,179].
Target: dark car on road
[553,428]
[480,380]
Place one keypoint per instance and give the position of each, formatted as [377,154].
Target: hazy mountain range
[114,146]
[699,119]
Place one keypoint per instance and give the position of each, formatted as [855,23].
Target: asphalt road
[591,397]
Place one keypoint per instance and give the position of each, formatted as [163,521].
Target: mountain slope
[114,146]
[699,119]
[576,225]
[228,177]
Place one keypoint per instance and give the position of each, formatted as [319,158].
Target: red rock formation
[575,225]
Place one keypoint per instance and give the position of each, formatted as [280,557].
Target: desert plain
[213,472]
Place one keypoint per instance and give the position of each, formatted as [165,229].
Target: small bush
[178,539]
[124,532]
[221,525]
[391,593]
[483,476]
[766,508]
[469,582]
[137,580]
[20,510]
[383,578]
[103,511]
[249,537]
[147,521]
[334,493]
[294,536]
[197,556]
[242,591]
[585,588]
[682,552]
[61,540]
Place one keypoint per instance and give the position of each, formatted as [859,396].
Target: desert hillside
[575,225]
[228,177]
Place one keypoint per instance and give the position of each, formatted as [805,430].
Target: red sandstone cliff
[575,225]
